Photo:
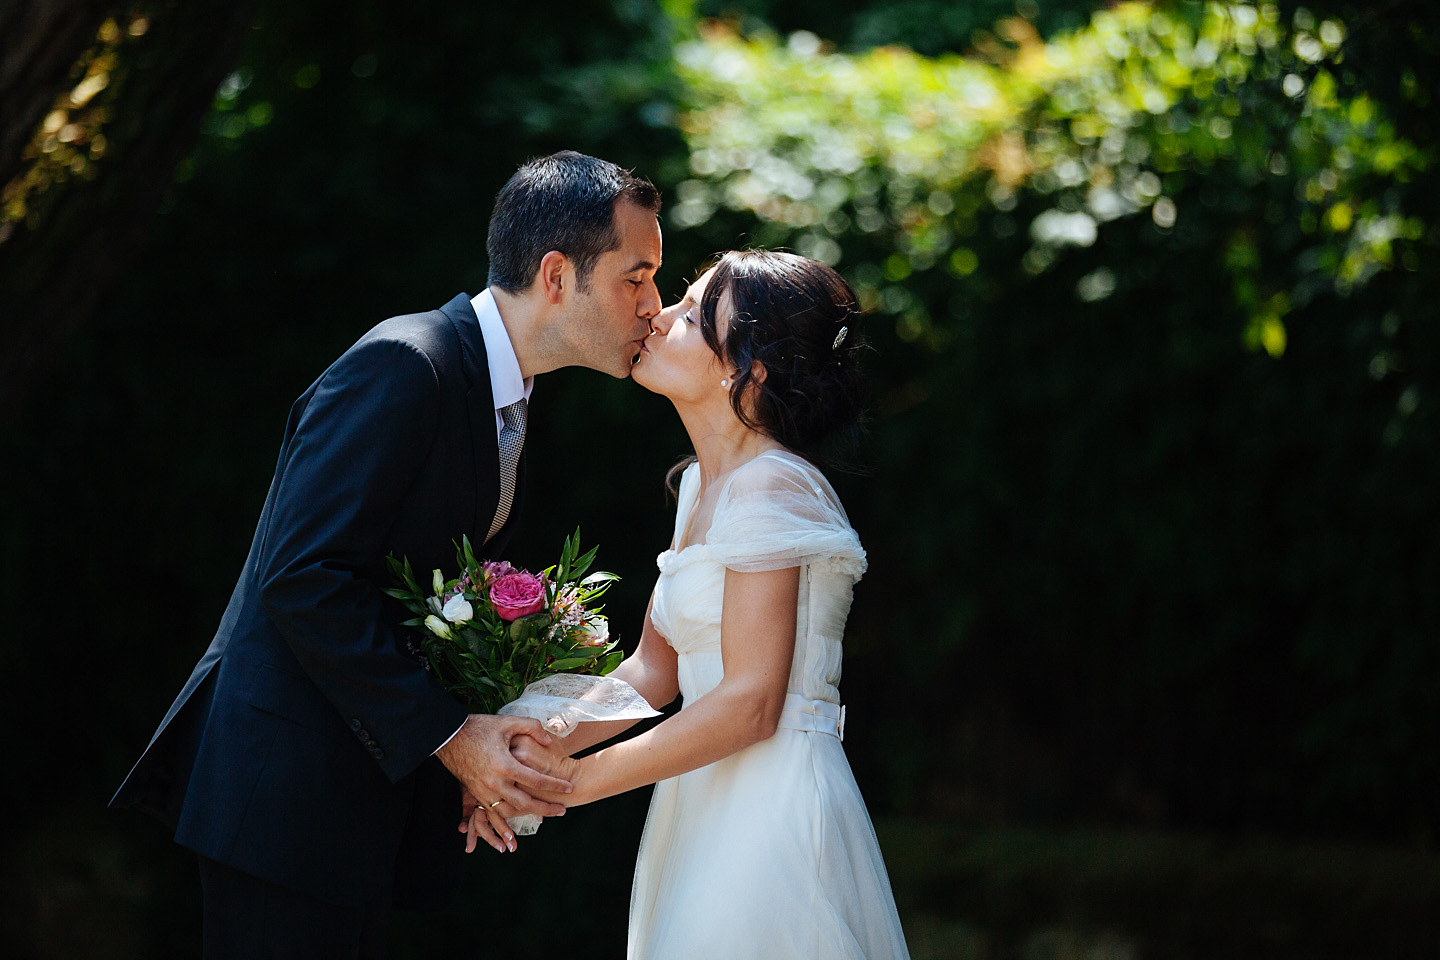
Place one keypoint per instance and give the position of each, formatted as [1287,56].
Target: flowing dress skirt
[767,853]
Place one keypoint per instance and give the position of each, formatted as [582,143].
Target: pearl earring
[724,383]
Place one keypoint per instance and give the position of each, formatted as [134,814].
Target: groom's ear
[555,276]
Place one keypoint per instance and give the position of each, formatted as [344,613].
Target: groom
[310,761]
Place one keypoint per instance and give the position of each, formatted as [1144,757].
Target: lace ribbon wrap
[774,512]
[564,700]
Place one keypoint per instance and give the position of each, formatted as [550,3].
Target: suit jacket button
[355,725]
[377,753]
[363,735]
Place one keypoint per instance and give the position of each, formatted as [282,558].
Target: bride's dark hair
[800,320]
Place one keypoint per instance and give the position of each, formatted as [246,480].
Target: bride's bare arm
[757,644]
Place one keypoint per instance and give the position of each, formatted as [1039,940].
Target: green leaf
[599,577]
[562,665]
[579,567]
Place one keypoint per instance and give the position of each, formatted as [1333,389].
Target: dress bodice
[774,512]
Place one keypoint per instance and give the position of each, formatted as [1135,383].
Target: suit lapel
[480,404]
[503,534]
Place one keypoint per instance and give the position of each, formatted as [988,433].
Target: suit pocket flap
[293,697]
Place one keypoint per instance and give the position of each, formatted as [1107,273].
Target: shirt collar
[505,380]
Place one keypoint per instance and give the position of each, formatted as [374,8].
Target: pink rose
[517,595]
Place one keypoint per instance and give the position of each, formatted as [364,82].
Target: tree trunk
[40,42]
[75,237]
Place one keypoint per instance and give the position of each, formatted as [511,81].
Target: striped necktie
[512,439]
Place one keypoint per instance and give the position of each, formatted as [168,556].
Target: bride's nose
[662,321]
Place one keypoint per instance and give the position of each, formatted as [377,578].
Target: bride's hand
[551,761]
[485,823]
[478,823]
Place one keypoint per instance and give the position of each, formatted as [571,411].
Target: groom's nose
[649,305]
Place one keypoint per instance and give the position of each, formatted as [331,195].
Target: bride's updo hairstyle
[800,319]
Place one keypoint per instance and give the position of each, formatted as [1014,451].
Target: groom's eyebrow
[643,265]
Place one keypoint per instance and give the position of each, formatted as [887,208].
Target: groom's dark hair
[563,202]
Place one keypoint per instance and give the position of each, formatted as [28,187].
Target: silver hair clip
[839,338]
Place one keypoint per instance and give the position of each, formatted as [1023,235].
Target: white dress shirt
[505,380]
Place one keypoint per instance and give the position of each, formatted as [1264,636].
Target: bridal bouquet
[494,629]
[504,640]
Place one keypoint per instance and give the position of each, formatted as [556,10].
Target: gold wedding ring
[497,803]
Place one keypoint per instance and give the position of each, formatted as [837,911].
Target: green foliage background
[1154,357]
[1150,511]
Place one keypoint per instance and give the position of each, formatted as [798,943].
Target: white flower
[437,580]
[438,627]
[596,631]
[434,604]
[458,610]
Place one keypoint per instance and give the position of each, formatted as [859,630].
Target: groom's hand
[479,757]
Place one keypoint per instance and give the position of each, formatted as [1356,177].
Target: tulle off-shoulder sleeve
[778,511]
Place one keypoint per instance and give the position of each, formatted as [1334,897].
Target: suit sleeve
[355,450]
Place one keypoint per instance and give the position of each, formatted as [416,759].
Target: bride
[757,843]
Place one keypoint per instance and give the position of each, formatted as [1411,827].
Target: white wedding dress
[769,852]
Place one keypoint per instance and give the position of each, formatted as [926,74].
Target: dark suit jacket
[300,750]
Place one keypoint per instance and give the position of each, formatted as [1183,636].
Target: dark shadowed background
[1146,661]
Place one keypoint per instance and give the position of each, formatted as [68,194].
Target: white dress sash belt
[818,716]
